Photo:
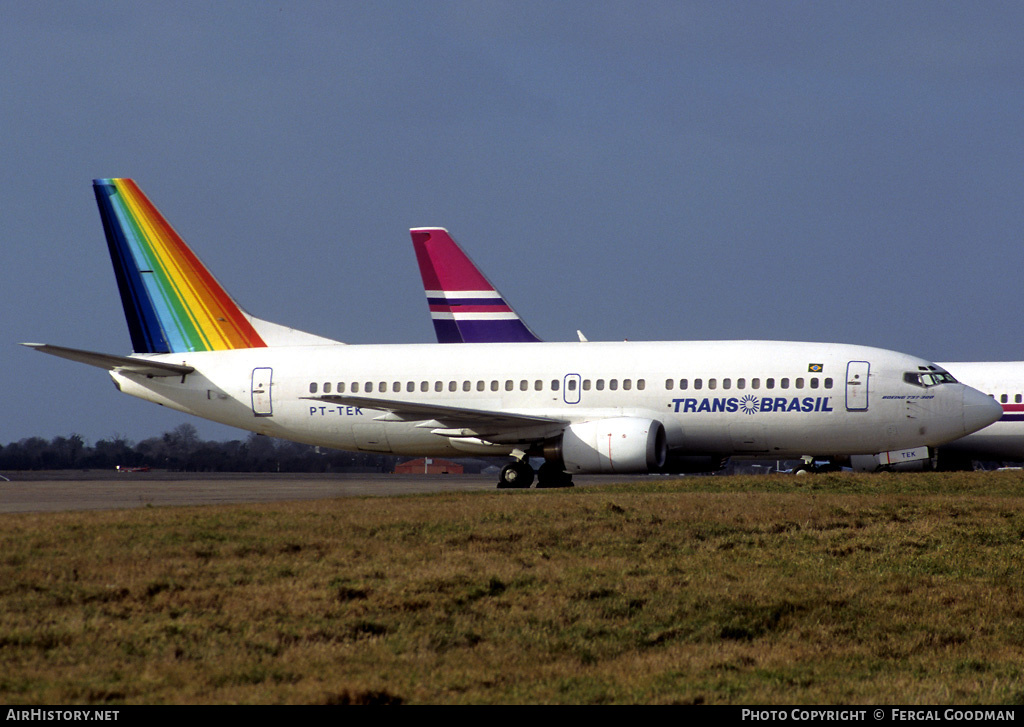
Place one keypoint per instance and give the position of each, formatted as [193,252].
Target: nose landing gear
[812,465]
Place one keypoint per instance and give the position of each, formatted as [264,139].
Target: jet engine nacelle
[619,445]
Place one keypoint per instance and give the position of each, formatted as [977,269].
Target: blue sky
[646,170]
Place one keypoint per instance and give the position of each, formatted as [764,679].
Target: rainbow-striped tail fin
[171,301]
[464,306]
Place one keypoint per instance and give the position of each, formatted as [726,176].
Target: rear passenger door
[262,404]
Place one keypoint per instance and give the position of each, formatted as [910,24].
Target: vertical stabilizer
[171,301]
[464,306]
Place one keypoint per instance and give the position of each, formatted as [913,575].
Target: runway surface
[65,491]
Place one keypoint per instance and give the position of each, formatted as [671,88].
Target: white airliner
[624,407]
[465,307]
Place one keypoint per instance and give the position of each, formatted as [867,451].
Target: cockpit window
[935,377]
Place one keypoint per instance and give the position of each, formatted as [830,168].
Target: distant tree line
[182,450]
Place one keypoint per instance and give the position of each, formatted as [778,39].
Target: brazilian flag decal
[815,368]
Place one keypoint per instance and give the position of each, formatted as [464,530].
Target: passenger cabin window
[554,384]
[438,386]
[800,383]
[571,385]
[769,383]
[312,388]
[467,385]
[828,383]
[627,384]
[641,384]
[726,383]
[1004,399]
[669,383]
[697,383]
[355,387]
[600,384]
[755,383]
[683,383]
[785,383]
[712,383]
[741,383]
[341,387]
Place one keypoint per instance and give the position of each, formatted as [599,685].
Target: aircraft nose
[980,410]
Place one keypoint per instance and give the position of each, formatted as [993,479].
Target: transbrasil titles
[751,404]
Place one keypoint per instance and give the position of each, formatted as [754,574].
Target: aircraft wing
[110,362]
[452,421]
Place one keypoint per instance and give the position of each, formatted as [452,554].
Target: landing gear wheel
[515,475]
[806,466]
[551,475]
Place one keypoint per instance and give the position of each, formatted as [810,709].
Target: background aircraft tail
[464,306]
[171,301]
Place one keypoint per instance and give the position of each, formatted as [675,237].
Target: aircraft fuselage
[778,399]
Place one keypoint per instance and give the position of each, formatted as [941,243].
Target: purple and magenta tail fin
[464,306]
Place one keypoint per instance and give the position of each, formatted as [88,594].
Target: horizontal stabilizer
[110,362]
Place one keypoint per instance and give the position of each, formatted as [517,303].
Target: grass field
[827,589]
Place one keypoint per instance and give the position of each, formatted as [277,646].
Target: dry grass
[844,588]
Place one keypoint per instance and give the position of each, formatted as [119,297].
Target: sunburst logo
[748,404]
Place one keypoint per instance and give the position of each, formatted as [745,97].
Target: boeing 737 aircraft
[584,407]
[467,308]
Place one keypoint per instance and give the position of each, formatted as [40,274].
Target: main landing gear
[519,475]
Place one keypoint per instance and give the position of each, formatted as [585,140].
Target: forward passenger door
[857,375]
